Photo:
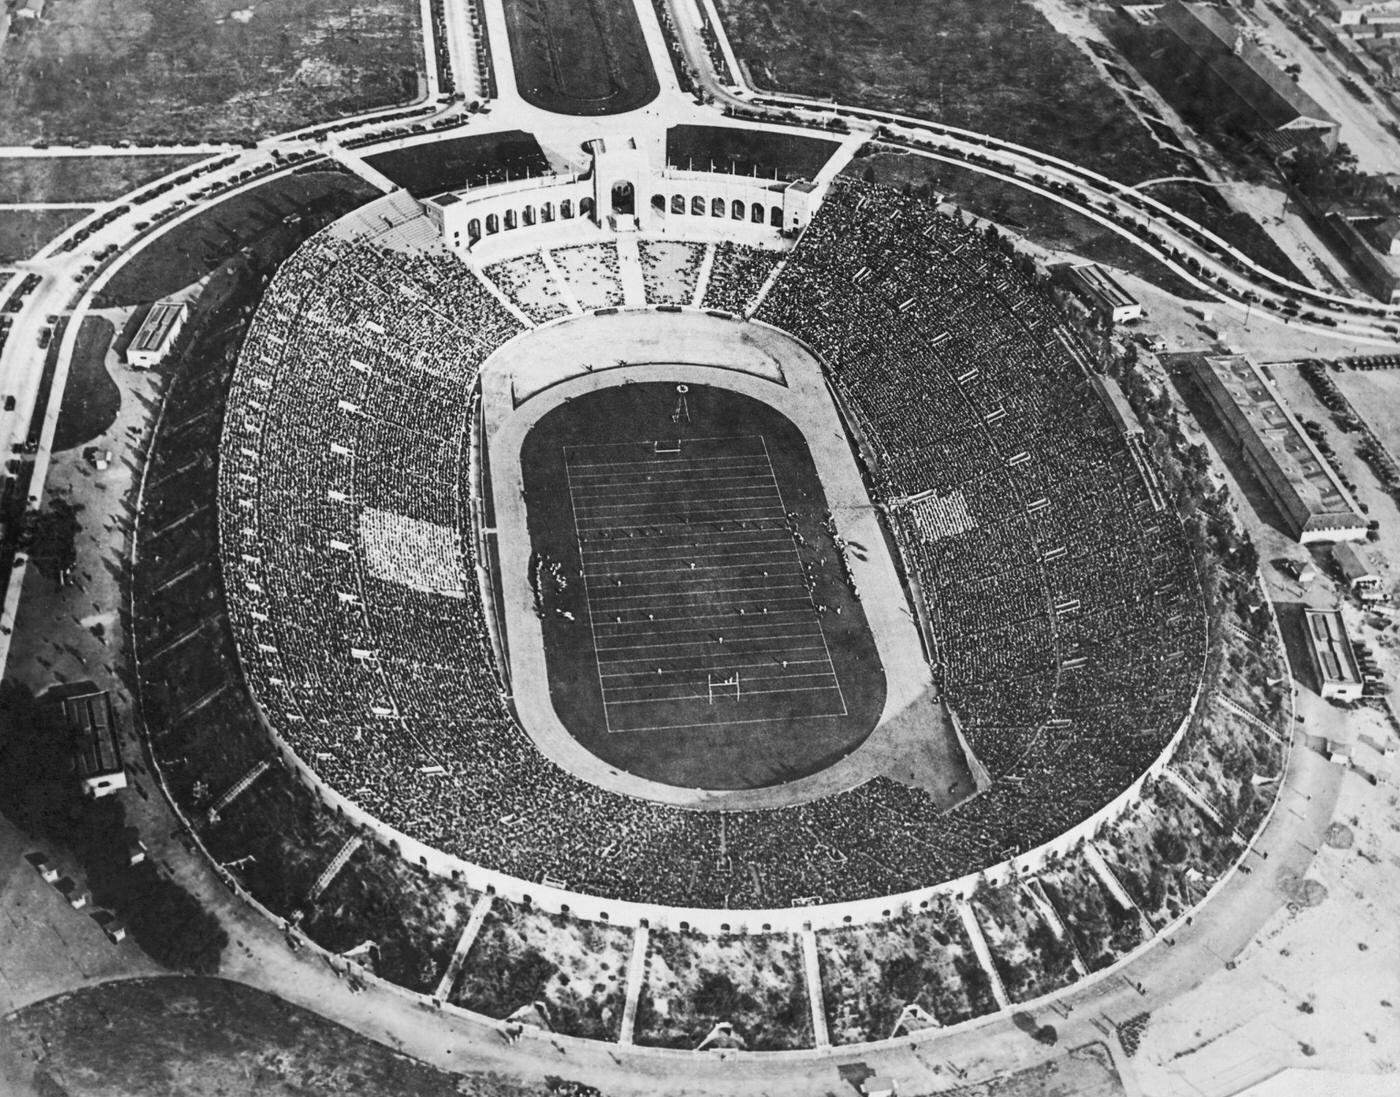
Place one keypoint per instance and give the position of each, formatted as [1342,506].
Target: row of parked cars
[76,897]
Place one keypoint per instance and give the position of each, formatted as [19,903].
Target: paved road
[46,151]
[1361,319]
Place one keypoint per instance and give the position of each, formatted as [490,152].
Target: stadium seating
[1064,609]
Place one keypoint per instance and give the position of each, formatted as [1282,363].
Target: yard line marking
[764,557]
[740,628]
[754,720]
[687,558]
[660,687]
[835,686]
[763,585]
[653,525]
[715,668]
[619,479]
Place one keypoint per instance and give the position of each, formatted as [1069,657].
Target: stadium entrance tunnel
[699,622]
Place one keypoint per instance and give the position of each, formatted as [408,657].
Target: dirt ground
[1376,395]
[186,70]
[81,178]
[23,232]
[174,1037]
[1323,977]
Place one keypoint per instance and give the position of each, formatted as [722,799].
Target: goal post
[721,687]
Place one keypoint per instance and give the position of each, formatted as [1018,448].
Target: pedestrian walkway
[629,271]
[636,977]
[983,953]
[811,965]
[464,945]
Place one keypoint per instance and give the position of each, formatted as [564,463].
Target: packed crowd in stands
[1067,627]
[591,271]
[530,286]
[737,275]
[670,269]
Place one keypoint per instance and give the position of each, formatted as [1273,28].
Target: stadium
[758,577]
[670,547]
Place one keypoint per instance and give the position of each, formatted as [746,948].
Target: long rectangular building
[1305,488]
[1233,79]
[1104,294]
[1338,673]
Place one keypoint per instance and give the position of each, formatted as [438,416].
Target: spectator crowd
[1065,622]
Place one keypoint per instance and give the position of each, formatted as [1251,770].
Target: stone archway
[624,197]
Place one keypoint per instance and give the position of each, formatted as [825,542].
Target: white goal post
[722,687]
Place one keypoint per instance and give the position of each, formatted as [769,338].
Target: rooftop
[90,718]
[1099,282]
[1293,453]
[1241,64]
[157,327]
[1327,636]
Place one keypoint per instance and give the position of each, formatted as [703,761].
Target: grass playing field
[714,545]
[582,57]
[698,628]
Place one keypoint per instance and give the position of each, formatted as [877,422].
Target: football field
[698,625]
[696,596]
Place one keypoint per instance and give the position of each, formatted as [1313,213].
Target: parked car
[71,892]
[43,866]
[110,924]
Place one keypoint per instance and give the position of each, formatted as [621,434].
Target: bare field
[193,70]
[23,232]
[177,1037]
[1376,395]
[992,65]
[81,178]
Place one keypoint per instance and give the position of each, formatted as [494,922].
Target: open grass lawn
[196,1037]
[436,166]
[997,66]
[253,219]
[91,399]
[81,178]
[584,57]
[23,232]
[193,70]
[1042,220]
[697,628]
[745,151]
